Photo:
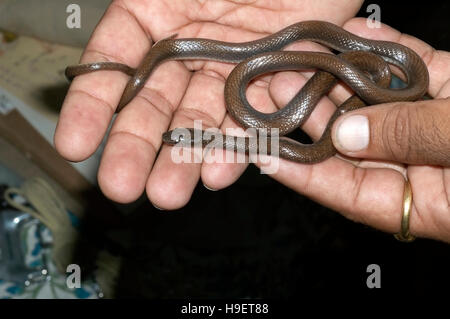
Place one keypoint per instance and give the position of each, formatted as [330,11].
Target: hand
[176,94]
[415,133]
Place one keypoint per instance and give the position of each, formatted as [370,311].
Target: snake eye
[180,136]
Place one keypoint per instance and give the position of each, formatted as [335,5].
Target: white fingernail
[353,133]
[158,208]
[209,188]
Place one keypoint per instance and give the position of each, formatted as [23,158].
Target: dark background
[259,239]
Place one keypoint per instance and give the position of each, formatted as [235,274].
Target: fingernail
[353,133]
[158,208]
[209,188]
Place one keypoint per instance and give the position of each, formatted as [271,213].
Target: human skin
[178,93]
[416,134]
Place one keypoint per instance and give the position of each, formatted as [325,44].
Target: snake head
[183,137]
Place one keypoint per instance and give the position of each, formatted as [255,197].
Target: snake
[363,64]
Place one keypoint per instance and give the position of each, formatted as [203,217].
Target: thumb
[407,132]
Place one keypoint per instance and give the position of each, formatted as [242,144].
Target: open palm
[371,192]
[176,94]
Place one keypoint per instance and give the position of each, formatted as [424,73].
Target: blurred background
[255,239]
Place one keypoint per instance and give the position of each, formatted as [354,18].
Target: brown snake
[362,67]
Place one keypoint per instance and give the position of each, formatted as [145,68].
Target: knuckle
[416,133]
[398,131]
[359,177]
[189,114]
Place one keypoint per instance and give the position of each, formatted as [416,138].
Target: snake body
[362,66]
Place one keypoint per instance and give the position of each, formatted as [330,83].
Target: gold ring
[404,235]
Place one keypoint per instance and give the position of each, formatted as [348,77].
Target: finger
[284,86]
[171,183]
[133,144]
[438,62]
[206,104]
[370,196]
[125,167]
[431,196]
[92,98]
[221,167]
[444,92]
[412,132]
